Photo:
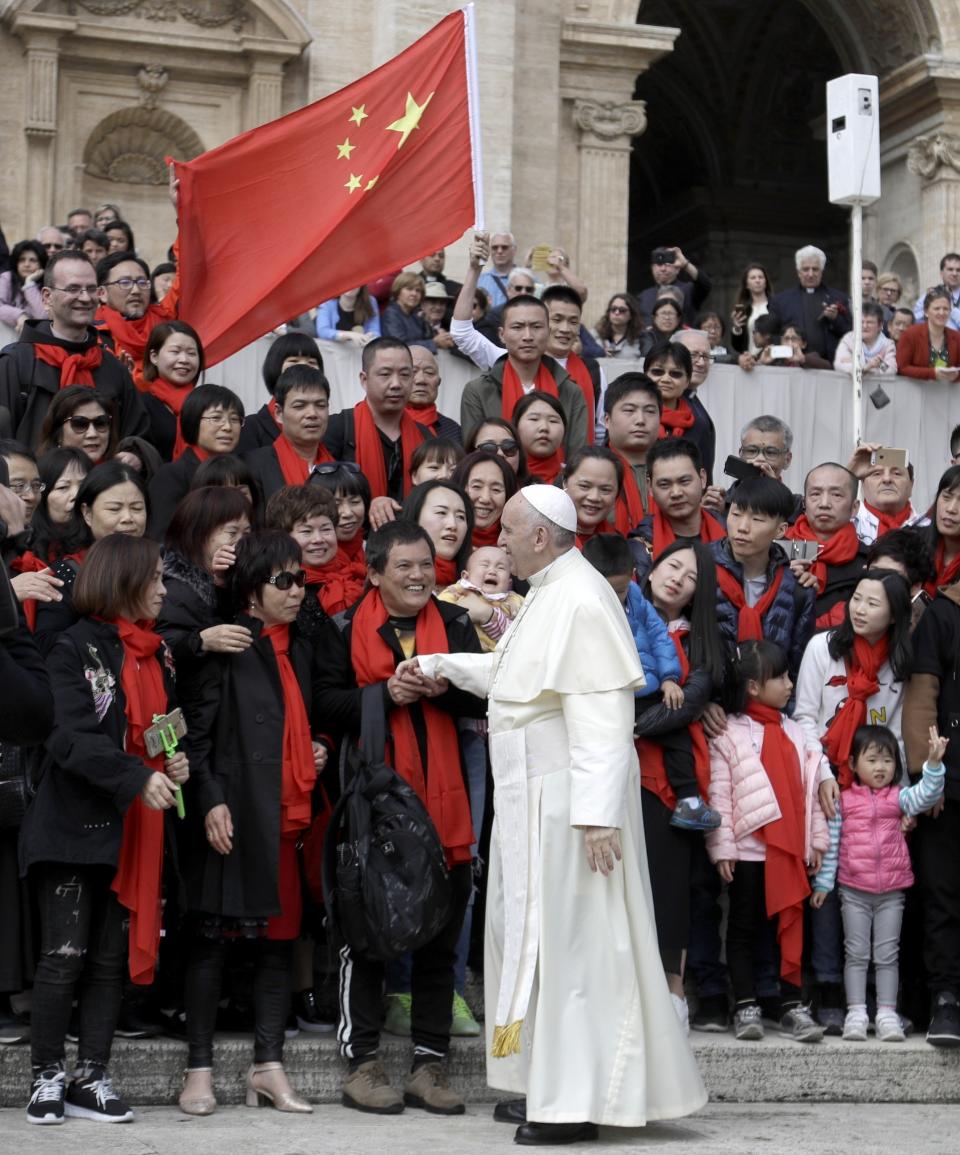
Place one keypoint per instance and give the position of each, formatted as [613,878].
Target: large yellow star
[354,182]
[344,150]
[410,119]
[358,115]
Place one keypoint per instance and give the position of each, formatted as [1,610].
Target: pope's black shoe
[511,1111]
[552,1134]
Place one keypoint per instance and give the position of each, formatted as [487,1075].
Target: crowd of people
[205,595]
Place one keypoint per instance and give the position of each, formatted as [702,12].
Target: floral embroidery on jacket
[102,683]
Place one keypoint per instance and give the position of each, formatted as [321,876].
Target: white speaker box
[853,139]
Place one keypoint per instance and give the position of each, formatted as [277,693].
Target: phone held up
[804,551]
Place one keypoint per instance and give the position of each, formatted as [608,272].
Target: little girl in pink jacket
[763,782]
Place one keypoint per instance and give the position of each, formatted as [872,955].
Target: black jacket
[27,385]
[840,584]
[55,618]
[703,434]
[822,336]
[341,441]
[163,426]
[192,604]
[88,779]
[259,429]
[264,466]
[168,488]
[26,704]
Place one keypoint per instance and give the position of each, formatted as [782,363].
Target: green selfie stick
[169,740]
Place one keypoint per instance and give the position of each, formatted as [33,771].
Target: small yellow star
[410,119]
[344,150]
[372,182]
[354,182]
[358,115]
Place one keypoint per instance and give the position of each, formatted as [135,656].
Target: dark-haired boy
[303,411]
[631,415]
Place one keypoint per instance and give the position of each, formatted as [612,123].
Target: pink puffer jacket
[740,789]
[873,851]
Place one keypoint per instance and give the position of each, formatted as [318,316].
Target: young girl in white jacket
[763,782]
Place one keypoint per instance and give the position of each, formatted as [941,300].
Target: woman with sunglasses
[80,418]
[172,365]
[620,329]
[489,483]
[498,436]
[670,367]
[254,765]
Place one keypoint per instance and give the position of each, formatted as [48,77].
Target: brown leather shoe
[267,1084]
[428,1088]
[368,1089]
[197,1098]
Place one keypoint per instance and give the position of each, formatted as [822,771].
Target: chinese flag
[297,211]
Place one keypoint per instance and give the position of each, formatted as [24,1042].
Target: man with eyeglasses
[126,316]
[64,350]
[503,252]
[52,239]
[765,443]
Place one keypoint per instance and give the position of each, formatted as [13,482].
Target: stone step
[150,1071]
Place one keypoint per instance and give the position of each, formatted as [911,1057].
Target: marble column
[605,132]
[935,158]
[40,127]
[264,91]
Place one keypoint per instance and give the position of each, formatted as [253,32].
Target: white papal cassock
[576,997]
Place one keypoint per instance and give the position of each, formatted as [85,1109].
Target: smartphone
[740,469]
[781,352]
[799,550]
[891,458]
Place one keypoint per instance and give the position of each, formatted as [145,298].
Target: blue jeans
[826,933]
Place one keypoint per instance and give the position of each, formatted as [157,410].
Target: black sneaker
[46,1097]
[13,1030]
[831,1012]
[291,1028]
[308,1013]
[174,1022]
[944,1029]
[134,1023]
[91,1096]
[712,1014]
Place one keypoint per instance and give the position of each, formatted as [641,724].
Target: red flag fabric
[326,198]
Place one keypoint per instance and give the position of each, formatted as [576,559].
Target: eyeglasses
[770,452]
[508,446]
[82,424]
[524,288]
[285,579]
[75,290]
[673,374]
[699,356]
[325,468]
[231,419]
[618,309]
[497,248]
[53,247]
[21,487]
[127,283]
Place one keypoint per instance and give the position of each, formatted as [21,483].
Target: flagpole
[473,98]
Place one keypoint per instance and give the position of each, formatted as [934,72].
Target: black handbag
[15,786]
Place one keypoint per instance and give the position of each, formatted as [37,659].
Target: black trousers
[746,922]
[271,997]
[938,852]
[361,987]
[83,944]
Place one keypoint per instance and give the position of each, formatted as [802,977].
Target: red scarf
[663,534]
[675,422]
[439,784]
[140,866]
[298,772]
[946,574]
[341,581]
[425,415]
[839,550]
[370,448]
[577,369]
[75,368]
[488,536]
[173,396]
[296,469]
[28,562]
[863,668]
[785,876]
[545,469]
[750,618]
[888,521]
[447,572]
[354,549]
[583,536]
[630,510]
[131,334]
[653,772]
[512,388]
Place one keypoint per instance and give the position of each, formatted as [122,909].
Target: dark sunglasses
[508,446]
[82,424]
[673,374]
[284,580]
[328,467]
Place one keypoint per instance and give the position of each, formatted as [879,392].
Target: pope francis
[578,1014]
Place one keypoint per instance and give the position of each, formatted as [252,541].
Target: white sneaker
[683,1011]
[889,1028]
[855,1026]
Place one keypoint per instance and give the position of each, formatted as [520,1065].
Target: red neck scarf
[584,535]
[298,772]
[545,469]
[140,866]
[750,618]
[839,550]
[28,562]
[785,876]
[75,368]
[863,668]
[173,396]
[447,572]
[488,536]
[370,448]
[888,521]
[425,415]
[341,581]
[296,469]
[676,422]
[577,369]
[512,388]
[439,784]
[664,535]
[354,549]
[130,334]
[946,574]
[630,510]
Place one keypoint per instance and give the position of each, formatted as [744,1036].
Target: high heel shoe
[268,1083]
[196,1098]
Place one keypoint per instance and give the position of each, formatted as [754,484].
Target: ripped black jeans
[83,949]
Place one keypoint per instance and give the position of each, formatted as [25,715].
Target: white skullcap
[553,504]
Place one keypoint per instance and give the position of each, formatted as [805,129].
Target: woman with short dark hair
[541,424]
[93,837]
[80,418]
[172,365]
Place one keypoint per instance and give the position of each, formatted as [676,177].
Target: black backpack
[385,880]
